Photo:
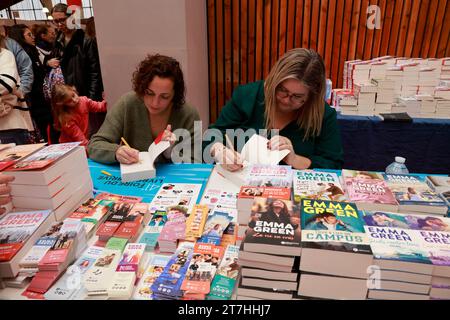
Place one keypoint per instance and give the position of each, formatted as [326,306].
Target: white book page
[255,151]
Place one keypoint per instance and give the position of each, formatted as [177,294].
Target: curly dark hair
[163,67]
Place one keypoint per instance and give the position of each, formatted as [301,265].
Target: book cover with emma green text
[318,185]
[333,225]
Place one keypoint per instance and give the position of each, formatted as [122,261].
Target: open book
[254,152]
[145,168]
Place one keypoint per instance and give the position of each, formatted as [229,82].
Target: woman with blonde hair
[291,100]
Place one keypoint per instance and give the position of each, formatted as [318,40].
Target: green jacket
[129,119]
[245,110]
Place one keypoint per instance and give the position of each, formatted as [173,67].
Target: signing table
[371,144]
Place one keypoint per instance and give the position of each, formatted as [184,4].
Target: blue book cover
[410,189]
[106,178]
[215,225]
[168,284]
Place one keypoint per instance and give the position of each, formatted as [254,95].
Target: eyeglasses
[59,21]
[296,99]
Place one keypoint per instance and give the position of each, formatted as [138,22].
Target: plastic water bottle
[397,167]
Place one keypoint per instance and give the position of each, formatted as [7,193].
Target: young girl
[71,113]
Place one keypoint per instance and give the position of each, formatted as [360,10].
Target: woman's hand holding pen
[127,155]
[228,158]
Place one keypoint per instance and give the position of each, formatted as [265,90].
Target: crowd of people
[37,61]
[51,84]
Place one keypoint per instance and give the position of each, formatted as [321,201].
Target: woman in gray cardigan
[156,105]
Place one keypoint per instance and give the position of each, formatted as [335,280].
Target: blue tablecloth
[371,144]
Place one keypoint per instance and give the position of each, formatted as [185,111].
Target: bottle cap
[400,159]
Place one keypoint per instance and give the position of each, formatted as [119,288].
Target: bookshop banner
[106,178]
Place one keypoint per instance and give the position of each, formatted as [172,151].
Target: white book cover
[145,168]
[122,285]
[175,194]
[99,276]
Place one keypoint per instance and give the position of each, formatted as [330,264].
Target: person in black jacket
[79,60]
[39,107]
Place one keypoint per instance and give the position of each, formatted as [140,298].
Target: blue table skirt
[371,144]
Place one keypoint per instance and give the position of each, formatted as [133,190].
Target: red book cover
[54,257]
[249,192]
[107,229]
[16,228]
[128,229]
[43,280]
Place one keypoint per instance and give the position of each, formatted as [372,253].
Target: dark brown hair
[39,29]
[2,41]
[163,67]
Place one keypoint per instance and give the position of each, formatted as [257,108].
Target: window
[32,10]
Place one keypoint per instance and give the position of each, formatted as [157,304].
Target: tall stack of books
[48,179]
[366,93]
[395,78]
[270,250]
[409,251]
[335,251]
[269,181]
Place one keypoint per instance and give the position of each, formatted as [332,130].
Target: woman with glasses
[292,101]
[155,106]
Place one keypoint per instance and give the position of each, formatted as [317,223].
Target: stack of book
[151,232]
[51,179]
[201,271]
[71,242]
[125,277]
[19,231]
[366,93]
[270,181]
[29,263]
[97,279]
[174,229]
[441,185]
[70,286]
[168,284]
[442,108]
[402,258]
[225,280]
[154,268]
[92,213]
[124,220]
[369,191]
[335,251]
[414,195]
[394,78]
[270,249]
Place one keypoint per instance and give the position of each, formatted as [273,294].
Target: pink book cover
[369,191]
[172,232]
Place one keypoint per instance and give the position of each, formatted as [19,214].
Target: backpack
[55,76]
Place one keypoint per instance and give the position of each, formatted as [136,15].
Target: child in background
[71,113]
